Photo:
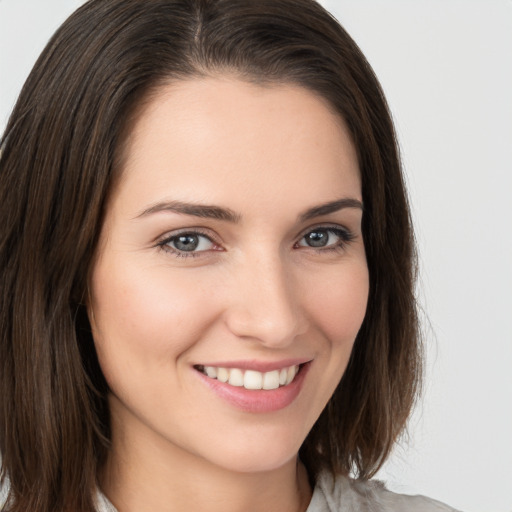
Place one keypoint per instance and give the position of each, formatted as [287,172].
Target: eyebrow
[197,210]
[220,213]
[330,207]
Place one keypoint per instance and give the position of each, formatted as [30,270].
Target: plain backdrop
[446,67]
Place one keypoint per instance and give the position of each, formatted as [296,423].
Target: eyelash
[344,235]
[164,244]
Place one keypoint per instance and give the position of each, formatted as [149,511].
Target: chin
[257,463]
[254,455]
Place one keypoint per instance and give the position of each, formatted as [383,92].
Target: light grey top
[346,495]
[340,495]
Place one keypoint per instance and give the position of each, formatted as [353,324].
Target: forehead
[220,138]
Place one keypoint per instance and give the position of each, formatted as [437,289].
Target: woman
[207,265]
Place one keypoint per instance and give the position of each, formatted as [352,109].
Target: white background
[446,67]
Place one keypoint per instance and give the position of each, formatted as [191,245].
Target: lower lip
[260,401]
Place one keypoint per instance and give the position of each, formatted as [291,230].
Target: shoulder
[346,495]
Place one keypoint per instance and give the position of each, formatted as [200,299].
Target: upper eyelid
[194,230]
[345,234]
[327,226]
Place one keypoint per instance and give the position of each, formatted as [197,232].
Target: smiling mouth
[251,379]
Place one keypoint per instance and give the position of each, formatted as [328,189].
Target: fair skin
[261,284]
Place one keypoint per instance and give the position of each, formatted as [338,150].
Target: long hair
[59,157]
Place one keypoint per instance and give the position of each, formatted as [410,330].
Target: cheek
[142,314]
[338,306]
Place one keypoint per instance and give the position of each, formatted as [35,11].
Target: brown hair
[57,164]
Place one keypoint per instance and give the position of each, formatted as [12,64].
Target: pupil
[186,242]
[317,238]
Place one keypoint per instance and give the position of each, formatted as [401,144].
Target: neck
[157,476]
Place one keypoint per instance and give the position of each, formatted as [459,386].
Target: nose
[264,304]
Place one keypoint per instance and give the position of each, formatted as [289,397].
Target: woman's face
[231,250]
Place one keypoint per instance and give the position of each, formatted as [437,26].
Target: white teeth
[291,375]
[211,371]
[251,379]
[222,374]
[236,377]
[271,380]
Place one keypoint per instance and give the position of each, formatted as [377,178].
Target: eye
[325,237]
[187,243]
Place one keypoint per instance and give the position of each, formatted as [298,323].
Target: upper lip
[259,366]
